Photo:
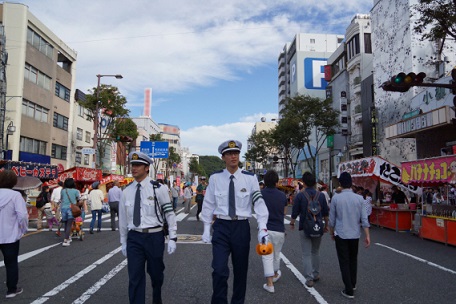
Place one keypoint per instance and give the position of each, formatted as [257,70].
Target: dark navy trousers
[10,253]
[230,237]
[347,253]
[142,248]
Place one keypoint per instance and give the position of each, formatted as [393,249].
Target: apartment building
[39,99]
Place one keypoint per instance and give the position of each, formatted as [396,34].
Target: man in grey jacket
[345,216]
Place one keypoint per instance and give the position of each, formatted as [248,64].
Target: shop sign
[440,223]
[376,166]
[21,169]
[430,171]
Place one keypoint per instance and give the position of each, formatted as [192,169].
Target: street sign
[90,151]
[155,149]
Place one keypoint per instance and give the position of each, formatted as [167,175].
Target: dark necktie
[232,201]
[137,210]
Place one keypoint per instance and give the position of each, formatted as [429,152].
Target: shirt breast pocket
[243,198]
[129,206]
[148,207]
[221,199]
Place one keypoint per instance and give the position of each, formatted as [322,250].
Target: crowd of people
[225,203]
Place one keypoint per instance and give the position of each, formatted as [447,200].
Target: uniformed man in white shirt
[230,195]
[143,209]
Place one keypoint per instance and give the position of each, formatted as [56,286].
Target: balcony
[357,85]
[356,140]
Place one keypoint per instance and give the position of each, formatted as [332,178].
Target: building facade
[39,99]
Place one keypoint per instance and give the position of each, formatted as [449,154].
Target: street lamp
[97,109]
[10,129]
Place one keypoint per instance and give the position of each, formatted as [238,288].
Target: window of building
[312,41]
[87,139]
[41,44]
[80,110]
[59,152]
[37,77]
[86,159]
[35,111]
[78,157]
[79,134]
[32,145]
[60,121]
[353,47]
[62,91]
[367,43]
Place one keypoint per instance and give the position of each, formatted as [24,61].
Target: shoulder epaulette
[155,184]
[247,172]
[216,172]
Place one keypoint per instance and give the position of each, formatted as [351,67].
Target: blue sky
[212,65]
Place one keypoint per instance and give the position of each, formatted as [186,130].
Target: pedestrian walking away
[13,225]
[237,192]
[69,195]
[311,216]
[187,197]
[114,196]
[175,190]
[346,214]
[144,208]
[41,200]
[276,202]
[96,203]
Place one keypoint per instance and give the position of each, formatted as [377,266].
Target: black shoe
[113,229]
[12,294]
[91,231]
[98,230]
[347,295]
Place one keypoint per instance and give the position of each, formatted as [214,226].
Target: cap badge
[135,156]
[232,144]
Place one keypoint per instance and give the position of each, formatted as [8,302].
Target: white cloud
[204,140]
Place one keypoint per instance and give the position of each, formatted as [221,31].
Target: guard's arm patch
[256,196]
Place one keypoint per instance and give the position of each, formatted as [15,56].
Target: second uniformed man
[143,210]
[229,197]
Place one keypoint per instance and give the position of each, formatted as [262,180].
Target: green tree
[195,167]
[436,19]
[211,164]
[111,106]
[156,137]
[125,127]
[306,122]
[262,147]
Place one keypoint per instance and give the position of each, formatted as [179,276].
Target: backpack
[40,201]
[313,222]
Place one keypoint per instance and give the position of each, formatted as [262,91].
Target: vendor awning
[430,171]
[376,167]
[79,174]
[112,177]
[41,171]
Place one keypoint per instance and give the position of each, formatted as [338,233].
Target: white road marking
[76,277]
[417,258]
[92,290]
[301,278]
[30,254]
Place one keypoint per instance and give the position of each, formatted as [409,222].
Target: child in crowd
[50,217]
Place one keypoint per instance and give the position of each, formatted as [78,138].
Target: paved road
[397,268]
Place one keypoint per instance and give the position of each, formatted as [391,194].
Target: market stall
[378,175]
[438,221]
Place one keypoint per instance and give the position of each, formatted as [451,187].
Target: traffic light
[403,82]
[123,138]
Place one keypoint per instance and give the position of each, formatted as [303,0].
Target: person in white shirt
[56,199]
[230,197]
[144,209]
[96,200]
[114,196]
[13,225]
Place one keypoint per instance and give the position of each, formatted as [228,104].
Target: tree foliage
[262,147]
[195,167]
[436,19]
[173,158]
[306,122]
[110,104]
[211,164]
[156,137]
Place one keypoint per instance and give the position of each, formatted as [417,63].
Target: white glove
[124,249]
[171,246]
[206,237]
[263,236]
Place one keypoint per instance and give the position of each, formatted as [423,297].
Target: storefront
[82,176]
[378,175]
[438,221]
[42,171]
